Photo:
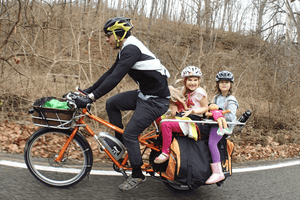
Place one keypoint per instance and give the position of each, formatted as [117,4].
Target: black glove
[81,102]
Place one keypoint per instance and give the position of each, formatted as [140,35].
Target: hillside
[51,60]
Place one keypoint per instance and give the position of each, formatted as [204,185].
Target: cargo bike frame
[59,155]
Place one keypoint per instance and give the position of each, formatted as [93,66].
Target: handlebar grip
[80,90]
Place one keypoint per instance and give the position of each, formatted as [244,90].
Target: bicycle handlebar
[80,90]
[72,96]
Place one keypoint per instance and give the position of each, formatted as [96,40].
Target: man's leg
[116,104]
[145,113]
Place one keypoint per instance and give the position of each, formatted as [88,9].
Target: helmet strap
[119,40]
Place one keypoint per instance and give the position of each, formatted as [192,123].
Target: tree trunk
[207,14]
[224,14]
[150,20]
[261,8]
[164,12]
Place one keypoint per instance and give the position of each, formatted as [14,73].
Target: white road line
[57,169]
[266,167]
[113,173]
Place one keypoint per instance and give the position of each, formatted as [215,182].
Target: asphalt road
[281,183]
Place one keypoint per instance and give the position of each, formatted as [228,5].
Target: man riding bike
[149,102]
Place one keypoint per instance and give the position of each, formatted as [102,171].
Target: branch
[173,61]
[14,27]
[283,24]
[13,67]
[14,55]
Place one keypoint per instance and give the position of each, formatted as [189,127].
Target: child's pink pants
[166,130]
[168,127]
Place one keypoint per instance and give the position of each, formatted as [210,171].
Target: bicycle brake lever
[81,91]
[88,107]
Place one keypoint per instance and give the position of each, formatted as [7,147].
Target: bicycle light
[112,144]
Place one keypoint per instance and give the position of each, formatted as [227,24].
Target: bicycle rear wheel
[177,186]
[44,146]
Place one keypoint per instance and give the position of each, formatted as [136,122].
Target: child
[194,102]
[225,100]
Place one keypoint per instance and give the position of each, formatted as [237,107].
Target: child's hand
[187,113]
[226,111]
[208,114]
[174,110]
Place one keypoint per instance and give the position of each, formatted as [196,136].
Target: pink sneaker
[163,157]
[220,131]
[227,131]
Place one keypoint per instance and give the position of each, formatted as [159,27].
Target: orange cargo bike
[59,155]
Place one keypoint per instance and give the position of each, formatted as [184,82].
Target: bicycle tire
[177,186]
[43,147]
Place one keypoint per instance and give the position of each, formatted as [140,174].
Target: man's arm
[101,79]
[129,56]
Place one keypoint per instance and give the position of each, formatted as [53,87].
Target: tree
[292,19]
[260,6]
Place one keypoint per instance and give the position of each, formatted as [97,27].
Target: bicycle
[61,148]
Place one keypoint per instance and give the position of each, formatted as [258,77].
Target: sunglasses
[109,34]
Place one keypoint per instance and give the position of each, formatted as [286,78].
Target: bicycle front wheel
[44,146]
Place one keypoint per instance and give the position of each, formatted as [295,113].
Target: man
[149,102]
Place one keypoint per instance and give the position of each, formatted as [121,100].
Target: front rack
[53,117]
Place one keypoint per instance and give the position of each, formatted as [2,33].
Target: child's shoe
[220,131]
[227,131]
[163,157]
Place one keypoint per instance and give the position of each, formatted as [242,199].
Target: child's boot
[217,174]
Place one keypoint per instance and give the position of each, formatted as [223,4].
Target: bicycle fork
[66,145]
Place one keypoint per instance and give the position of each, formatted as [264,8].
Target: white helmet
[191,71]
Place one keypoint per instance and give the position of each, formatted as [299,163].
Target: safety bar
[202,121]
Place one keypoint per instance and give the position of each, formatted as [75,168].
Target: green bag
[53,103]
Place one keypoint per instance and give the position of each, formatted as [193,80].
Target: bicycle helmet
[224,75]
[119,25]
[191,71]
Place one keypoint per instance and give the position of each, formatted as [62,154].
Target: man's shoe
[131,183]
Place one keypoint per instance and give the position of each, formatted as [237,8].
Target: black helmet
[118,23]
[118,26]
[224,75]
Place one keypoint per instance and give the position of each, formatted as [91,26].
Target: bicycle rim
[44,147]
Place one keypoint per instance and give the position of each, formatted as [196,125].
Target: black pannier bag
[189,161]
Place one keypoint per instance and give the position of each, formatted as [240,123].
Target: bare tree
[164,11]
[292,19]
[153,7]
[260,5]
[225,10]
[207,14]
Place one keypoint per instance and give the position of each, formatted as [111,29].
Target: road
[279,183]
